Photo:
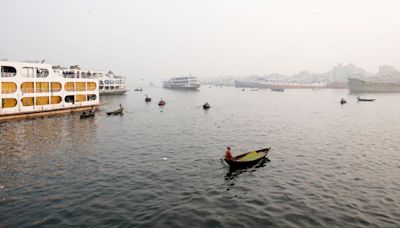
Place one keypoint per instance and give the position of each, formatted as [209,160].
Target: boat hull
[235,163]
[112,92]
[358,85]
[46,113]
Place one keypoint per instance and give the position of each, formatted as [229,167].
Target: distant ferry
[109,84]
[274,84]
[358,85]
[190,83]
[36,89]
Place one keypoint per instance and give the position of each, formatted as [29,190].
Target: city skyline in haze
[160,39]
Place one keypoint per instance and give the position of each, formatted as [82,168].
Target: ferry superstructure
[36,88]
[189,83]
[109,83]
[359,85]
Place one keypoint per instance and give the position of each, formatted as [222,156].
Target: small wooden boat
[277,89]
[116,112]
[343,101]
[147,99]
[161,103]
[85,115]
[206,106]
[248,159]
[364,99]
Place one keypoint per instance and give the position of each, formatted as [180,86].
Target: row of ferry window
[43,87]
[28,72]
[109,87]
[112,82]
[30,101]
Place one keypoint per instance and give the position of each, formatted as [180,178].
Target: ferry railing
[7,74]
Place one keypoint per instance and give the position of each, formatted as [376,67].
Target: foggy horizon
[160,39]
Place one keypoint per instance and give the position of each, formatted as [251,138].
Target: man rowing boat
[228,154]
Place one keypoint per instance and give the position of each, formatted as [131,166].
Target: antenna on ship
[42,61]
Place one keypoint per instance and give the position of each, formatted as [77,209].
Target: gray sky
[208,38]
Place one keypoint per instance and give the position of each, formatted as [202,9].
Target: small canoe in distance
[248,159]
[343,101]
[147,99]
[116,112]
[364,99]
[161,103]
[85,115]
[277,89]
[206,106]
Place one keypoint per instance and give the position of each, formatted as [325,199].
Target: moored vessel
[359,85]
[188,83]
[37,89]
[275,84]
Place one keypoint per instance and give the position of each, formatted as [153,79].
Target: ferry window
[28,72]
[42,87]
[55,87]
[91,97]
[8,71]
[55,100]
[80,98]
[27,87]
[101,87]
[70,99]
[8,87]
[42,100]
[101,82]
[107,87]
[91,86]
[80,86]
[27,101]
[8,102]
[69,86]
[107,81]
[42,73]
[111,87]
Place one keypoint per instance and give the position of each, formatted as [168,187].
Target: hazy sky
[205,37]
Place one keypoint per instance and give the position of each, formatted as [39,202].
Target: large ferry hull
[112,92]
[183,88]
[288,85]
[39,114]
[358,85]
[36,90]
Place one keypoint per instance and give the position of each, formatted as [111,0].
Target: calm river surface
[331,165]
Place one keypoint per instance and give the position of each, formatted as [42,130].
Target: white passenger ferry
[109,83]
[190,83]
[37,89]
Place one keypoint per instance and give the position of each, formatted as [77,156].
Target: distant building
[387,70]
[341,72]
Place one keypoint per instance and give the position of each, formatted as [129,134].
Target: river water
[331,165]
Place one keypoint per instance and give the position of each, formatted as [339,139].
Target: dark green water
[331,165]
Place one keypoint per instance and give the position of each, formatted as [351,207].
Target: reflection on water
[331,166]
